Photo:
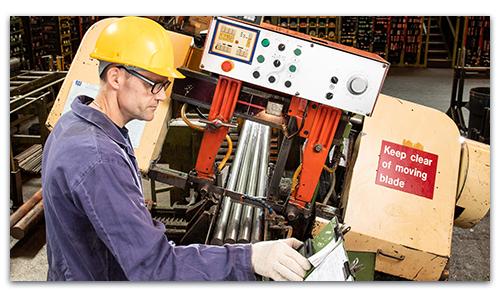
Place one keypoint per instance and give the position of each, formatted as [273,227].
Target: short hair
[105,65]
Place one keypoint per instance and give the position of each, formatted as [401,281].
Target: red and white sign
[407,169]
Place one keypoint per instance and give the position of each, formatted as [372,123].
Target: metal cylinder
[15,64]
[479,102]
[234,221]
[220,227]
[25,208]
[247,217]
[28,221]
[258,216]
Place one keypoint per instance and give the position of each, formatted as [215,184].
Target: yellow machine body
[473,193]
[410,229]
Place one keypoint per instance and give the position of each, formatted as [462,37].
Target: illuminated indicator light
[265,42]
[227,66]
[260,59]
[297,52]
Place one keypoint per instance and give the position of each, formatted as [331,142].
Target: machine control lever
[218,123]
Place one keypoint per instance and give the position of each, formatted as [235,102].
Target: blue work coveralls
[98,227]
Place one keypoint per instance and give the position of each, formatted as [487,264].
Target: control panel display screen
[323,72]
[234,42]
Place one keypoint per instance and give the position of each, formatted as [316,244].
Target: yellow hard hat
[139,42]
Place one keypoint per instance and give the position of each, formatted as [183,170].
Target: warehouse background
[50,42]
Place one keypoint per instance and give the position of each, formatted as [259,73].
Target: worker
[98,227]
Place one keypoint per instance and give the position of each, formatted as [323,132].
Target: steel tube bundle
[258,218]
[243,173]
[237,222]
[246,220]
[220,227]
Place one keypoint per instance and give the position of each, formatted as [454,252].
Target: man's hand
[279,260]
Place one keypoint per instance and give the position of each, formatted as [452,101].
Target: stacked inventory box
[332,28]
[364,33]
[380,33]
[323,27]
[322,24]
[16,39]
[33,42]
[86,22]
[78,27]
[57,38]
[477,41]
[74,23]
[396,38]
[348,31]
[413,40]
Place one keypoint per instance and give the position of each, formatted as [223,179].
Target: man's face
[136,100]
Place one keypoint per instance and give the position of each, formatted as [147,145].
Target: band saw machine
[399,183]
[314,98]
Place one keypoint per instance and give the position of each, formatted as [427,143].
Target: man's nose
[161,96]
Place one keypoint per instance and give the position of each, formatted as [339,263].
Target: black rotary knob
[281,47]
[272,79]
[277,63]
[256,74]
[329,95]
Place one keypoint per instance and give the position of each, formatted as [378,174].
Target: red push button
[227,66]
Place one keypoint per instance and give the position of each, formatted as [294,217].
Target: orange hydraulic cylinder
[316,148]
[222,108]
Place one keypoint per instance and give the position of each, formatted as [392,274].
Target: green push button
[265,42]
[297,52]
[292,68]
[260,59]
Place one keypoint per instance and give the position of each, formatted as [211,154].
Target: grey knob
[357,85]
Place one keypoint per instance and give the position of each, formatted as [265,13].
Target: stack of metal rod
[30,160]
[27,216]
[238,223]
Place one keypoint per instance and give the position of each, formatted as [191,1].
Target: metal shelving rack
[16,38]
[57,37]
[34,42]
[323,27]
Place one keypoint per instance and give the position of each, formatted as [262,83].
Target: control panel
[295,64]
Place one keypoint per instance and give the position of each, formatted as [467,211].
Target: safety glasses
[155,87]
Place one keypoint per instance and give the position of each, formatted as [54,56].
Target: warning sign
[407,169]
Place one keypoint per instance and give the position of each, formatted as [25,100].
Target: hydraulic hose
[228,139]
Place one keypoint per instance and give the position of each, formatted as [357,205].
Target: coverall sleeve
[115,206]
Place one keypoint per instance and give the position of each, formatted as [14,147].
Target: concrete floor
[470,253]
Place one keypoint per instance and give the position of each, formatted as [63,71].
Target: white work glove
[279,260]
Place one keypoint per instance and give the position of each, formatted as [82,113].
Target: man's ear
[113,76]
